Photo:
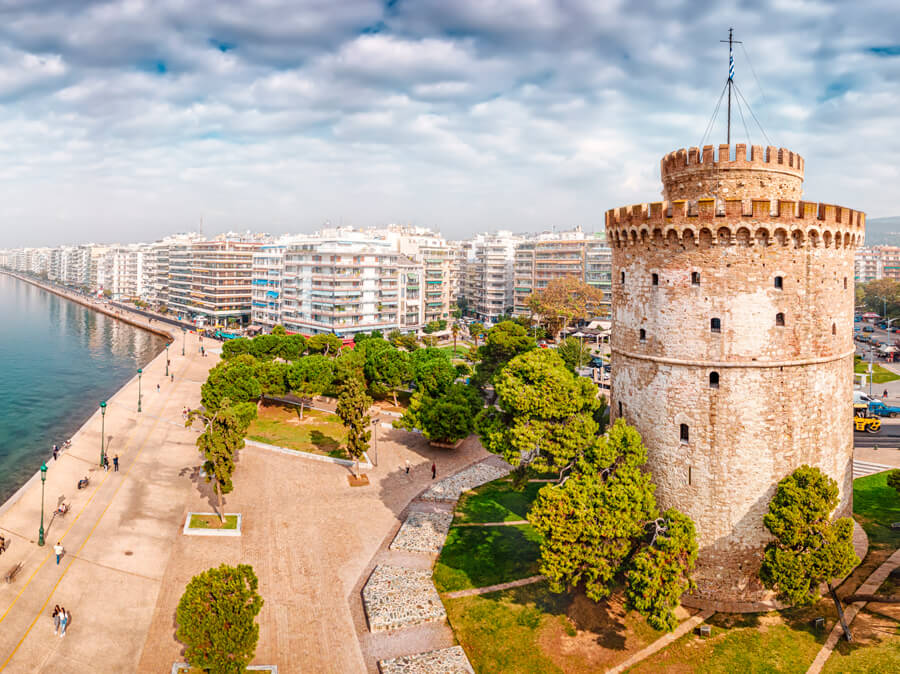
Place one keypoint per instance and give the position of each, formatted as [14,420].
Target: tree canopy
[233,380]
[326,344]
[564,301]
[310,376]
[216,619]
[574,352]
[809,548]
[432,370]
[353,407]
[545,415]
[893,480]
[503,342]
[386,370]
[448,418]
[881,296]
[601,525]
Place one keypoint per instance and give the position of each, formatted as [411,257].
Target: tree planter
[361,481]
[233,523]
[447,445]
[185,668]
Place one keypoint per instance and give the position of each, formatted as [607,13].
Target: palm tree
[454,328]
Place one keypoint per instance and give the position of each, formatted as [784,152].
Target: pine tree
[216,619]
[352,407]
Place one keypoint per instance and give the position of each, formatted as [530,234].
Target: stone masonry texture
[767,386]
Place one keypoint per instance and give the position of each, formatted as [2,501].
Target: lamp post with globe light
[102,428]
[43,480]
[139,388]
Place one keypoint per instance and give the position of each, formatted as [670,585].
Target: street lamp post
[139,389]
[375,441]
[183,338]
[102,428]
[167,358]
[43,480]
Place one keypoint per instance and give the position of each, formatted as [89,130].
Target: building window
[715,325]
[622,276]
[655,279]
[643,335]
[695,278]
[779,282]
[685,433]
[714,380]
[779,320]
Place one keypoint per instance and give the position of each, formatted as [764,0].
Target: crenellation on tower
[755,293]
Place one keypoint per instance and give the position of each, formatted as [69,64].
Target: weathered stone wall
[773,173]
[783,356]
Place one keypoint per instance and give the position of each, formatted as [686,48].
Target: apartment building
[338,281]
[489,275]
[441,263]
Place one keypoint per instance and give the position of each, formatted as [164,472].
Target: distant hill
[883,231]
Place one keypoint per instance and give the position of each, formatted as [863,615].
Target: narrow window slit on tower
[845,283]
[622,276]
[779,282]
[620,408]
[779,320]
[714,380]
[690,475]
[715,325]
[833,329]
[655,279]
[695,278]
[685,433]
[643,335]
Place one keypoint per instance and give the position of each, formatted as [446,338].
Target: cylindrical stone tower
[732,349]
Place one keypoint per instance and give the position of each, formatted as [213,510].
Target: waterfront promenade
[310,538]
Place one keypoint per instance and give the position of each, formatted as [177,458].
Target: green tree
[235,347]
[893,480]
[233,380]
[452,416]
[882,296]
[326,344]
[222,437]
[353,407]
[809,548]
[216,619]
[601,526]
[350,364]
[387,370]
[454,330]
[279,330]
[504,342]
[432,371]
[291,347]
[476,329]
[265,347]
[272,378]
[310,376]
[545,415]
[564,301]
[574,352]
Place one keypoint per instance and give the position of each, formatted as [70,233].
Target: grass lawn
[480,556]
[875,646]
[496,502]
[318,432]
[213,522]
[461,350]
[880,375]
[530,629]
[876,506]
[771,642]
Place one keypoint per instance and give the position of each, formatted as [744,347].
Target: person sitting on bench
[62,509]
[83,482]
[2,544]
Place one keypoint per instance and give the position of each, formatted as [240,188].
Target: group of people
[61,620]
[56,449]
[2,543]
[115,463]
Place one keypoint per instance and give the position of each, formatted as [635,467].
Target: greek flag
[730,65]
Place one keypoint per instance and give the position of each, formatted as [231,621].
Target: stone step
[451,660]
[395,597]
[423,532]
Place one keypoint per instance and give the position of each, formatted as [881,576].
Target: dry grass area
[316,432]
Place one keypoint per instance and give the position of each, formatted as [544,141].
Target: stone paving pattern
[423,532]
[444,661]
[395,597]
[451,487]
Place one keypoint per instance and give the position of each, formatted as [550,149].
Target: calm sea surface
[58,360]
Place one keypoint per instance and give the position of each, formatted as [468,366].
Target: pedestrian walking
[884,395]
[173,377]
[55,452]
[433,470]
[58,551]
[407,466]
[116,463]
[106,463]
[157,388]
[56,618]
[63,622]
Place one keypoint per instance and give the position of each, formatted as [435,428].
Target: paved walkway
[118,534]
[870,586]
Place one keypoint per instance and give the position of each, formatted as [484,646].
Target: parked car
[868,328]
[883,410]
[861,398]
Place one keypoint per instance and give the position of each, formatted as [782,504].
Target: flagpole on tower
[731,41]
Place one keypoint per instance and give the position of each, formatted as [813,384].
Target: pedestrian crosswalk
[863,468]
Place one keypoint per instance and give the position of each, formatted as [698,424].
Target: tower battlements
[692,173]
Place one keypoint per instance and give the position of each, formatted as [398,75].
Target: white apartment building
[337,281]
[489,275]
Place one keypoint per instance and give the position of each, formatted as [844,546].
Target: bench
[895,525]
[13,572]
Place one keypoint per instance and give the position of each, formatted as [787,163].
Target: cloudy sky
[128,120]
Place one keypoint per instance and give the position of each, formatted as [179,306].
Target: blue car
[882,410]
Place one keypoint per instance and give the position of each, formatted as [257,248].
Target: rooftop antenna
[731,41]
